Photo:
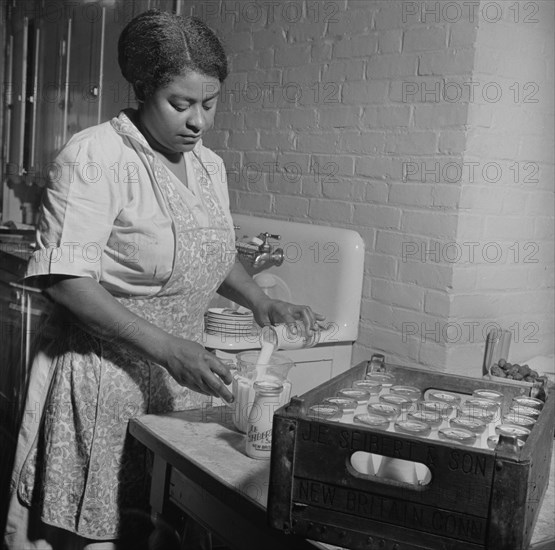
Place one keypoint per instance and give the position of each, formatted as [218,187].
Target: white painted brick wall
[378,104]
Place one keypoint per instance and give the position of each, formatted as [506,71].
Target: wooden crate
[477,498]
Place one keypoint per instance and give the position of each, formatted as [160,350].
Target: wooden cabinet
[62,76]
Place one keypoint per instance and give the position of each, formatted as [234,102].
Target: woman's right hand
[191,365]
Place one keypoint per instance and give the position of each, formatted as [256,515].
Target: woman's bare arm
[101,314]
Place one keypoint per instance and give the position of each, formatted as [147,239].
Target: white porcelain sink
[322,267]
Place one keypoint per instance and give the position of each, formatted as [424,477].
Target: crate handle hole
[386,469]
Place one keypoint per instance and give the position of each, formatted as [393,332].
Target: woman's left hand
[273,312]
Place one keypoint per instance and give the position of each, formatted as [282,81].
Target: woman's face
[176,116]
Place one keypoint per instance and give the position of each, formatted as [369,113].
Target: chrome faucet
[259,254]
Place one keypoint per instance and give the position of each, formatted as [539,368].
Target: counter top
[205,445]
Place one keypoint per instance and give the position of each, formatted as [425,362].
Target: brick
[508,227]
[305,76]
[399,244]
[243,15]
[229,157]
[411,194]
[471,226]
[261,119]
[424,89]
[430,169]
[306,31]
[513,200]
[437,303]
[378,167]
[476,306]
[424,39]
[293,56]
[229,121]
[254,179]
[297,118]
[433,356]
[513,277]
[380,265]
[430,223]
[344,190]
[311,186]
[536,148]
[440,115]
[539,203]
[275,139]
[295,162]
[391,65]
[497,145]
[317,143]
[328,167]
[539,276]
[462,34]
[544,228]
[426,275]
[538,175]
[390,41]
[478,198]
[254,202]
[452,142]
[362,143]
[321,94]
[264,161]
[353,21]
[376,191]
[266,58]
[321,52]
[389,16]
[378,216]
[348,69]
[362,93]
[458,62]
[283,185]
[464,278]
[412,143]
[446,196]
[398,294]
[480,115]
[362,45]
[236,181]
[377,313]
[417,324]
[291,206]
[217,139]
[246,140]
[243,61]
[330,211]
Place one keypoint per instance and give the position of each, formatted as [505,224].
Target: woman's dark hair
[157,46]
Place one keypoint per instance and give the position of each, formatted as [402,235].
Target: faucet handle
[265,236]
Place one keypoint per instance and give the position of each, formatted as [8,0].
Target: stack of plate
[229,321]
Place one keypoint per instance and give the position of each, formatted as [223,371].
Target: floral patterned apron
[84,472]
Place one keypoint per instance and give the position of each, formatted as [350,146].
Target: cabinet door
[48,135]
[115,92]
[14,108]
[83,79]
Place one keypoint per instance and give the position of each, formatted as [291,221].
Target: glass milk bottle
[275,368]
[259,425]
[283,337]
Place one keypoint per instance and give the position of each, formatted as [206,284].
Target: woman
[127,237]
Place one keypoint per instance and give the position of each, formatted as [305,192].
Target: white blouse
[103,214]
